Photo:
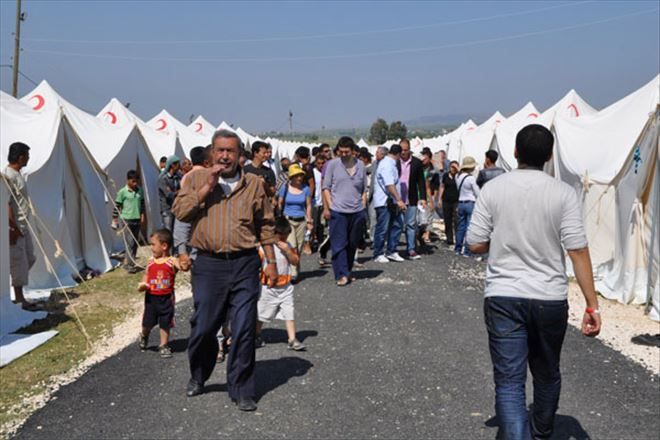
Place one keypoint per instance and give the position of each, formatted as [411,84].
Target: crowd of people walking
[240,224]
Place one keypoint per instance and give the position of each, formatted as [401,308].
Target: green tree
[397,130]
[378,131]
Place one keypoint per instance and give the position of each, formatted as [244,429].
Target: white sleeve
[572,227]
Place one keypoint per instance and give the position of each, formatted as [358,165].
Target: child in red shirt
[158,285]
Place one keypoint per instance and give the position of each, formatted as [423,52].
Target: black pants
[319,227]
[132,240]
[225,289]
[449,213]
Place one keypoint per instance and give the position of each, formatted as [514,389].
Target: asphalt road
[402,352]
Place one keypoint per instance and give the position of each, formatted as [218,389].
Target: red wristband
[591,310]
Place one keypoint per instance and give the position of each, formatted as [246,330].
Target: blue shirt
[386,174]
[295,204]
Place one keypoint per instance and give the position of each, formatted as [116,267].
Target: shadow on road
[318,273]
[275,335]
[566,428]
[273,373]
[366,274]
[179,345]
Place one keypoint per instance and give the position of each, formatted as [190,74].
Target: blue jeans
[346,232]
[382,226]
[410,217]
[521,332]
[464,216]
[395,228]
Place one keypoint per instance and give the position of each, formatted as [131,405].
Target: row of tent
[79,161]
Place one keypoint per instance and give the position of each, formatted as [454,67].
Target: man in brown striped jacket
[230,215]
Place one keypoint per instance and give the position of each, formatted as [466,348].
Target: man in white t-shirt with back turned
[526,220]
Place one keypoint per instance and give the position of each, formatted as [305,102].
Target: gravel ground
[402,352]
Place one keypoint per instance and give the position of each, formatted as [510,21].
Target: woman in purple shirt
[344,205]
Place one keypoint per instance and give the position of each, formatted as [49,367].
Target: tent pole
[17,48]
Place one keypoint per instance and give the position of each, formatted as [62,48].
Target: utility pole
[290,121]
[17,47]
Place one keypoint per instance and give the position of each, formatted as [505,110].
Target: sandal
[343,281]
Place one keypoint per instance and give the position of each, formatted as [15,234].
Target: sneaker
[144,342]
[381,259]
[479,258]
[259,342]
[412,255]
[296,345]
[395,257]
[165,351]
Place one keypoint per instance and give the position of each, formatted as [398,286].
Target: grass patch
[101,304]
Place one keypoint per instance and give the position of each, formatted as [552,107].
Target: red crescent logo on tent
[575,109]
[533,115]
[113,117]
[498,121]
[40,102]
[163,124]
[199,126]
[471,128]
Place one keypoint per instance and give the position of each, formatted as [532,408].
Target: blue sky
[334,64]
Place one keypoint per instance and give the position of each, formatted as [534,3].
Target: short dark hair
[302,152]
[16,150]
[346,142]
[198,155]
[132,174]
[395,149]
[492,155]
[282,226]
[315,151]
[406,140]
[163,159]
[454,162]
[164,236]
[324,145]
[427,153]
[258,146]
[534,145]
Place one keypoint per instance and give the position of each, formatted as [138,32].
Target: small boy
[277,301]
[129,205]
[158,283]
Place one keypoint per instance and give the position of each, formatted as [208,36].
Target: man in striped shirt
[231,216]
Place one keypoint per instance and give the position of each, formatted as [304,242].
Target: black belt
[466,201]
[229,255]
[295,219]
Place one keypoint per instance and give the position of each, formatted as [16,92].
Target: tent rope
[37,239]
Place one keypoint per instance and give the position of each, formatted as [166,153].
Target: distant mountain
[445,120]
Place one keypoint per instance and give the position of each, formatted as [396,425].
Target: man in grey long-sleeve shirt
[526,219]
[168,187]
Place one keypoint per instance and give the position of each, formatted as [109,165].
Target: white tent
[66,191]
[505,134]
[453,139]
[609,158]
[362,143]
[133,153]
[475,142]
[203,127]
[164,122]
[160,143]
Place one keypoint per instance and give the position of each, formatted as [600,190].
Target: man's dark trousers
[346,231]
[525,331]
[222,286]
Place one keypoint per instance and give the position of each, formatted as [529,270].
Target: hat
[468,163]
[294,170]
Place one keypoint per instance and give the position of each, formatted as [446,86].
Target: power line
[354,55]
[20,73]
[318,36]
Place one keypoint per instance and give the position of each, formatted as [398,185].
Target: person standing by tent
[130,207]
[537,218]
[387,202]
[344,205]
[225,276]
[21,250]
[169,183]
[468,191]
[490,170]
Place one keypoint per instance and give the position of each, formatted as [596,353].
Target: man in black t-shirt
[449,198]
[259,156]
